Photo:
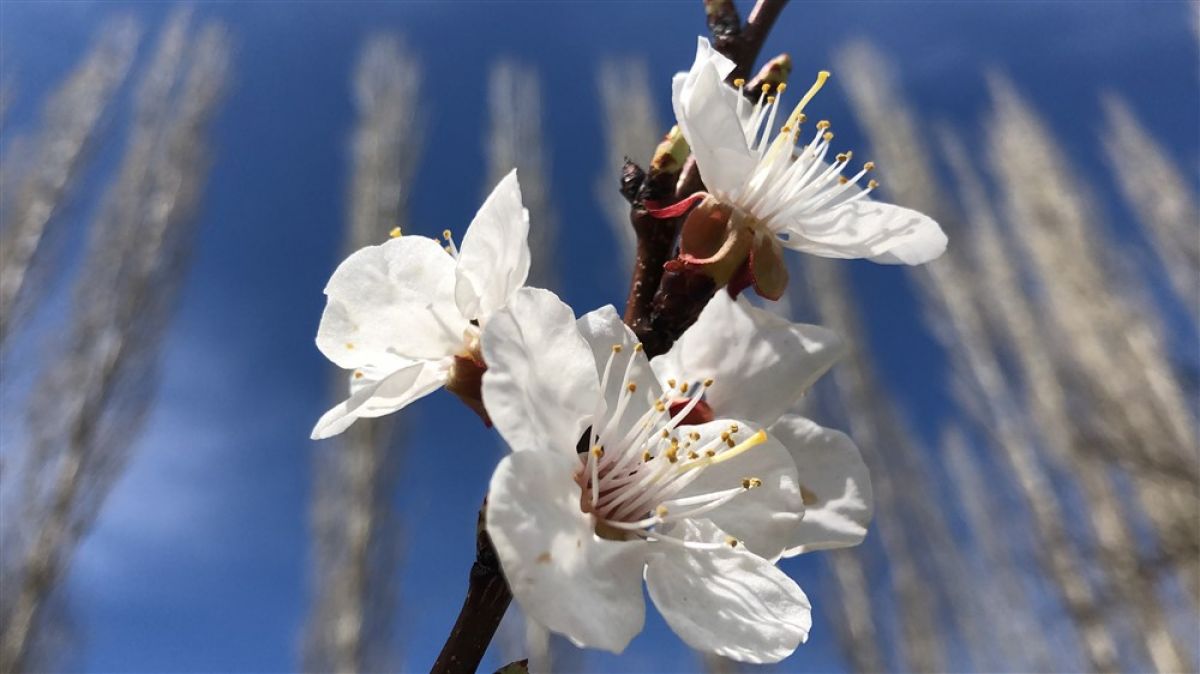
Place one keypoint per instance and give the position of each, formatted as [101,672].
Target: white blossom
[777,194]
[700,511]
[761,365]
[405,316]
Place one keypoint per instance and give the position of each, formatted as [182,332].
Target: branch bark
[662,305]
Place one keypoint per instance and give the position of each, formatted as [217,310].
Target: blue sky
[199,560]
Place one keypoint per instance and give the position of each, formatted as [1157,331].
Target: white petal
[602,329]
[563,575]
[765,518]
[834,481]
[706,110]
[493,260]
[881,232]
[540,388]
[760,363]
[392,302]
[727,601]
[377,397]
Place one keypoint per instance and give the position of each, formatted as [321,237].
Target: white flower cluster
[685,470]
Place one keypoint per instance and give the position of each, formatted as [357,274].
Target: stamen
[794,118]
[395,233]
[749,443]
[450,247]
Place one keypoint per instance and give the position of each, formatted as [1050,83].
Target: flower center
[466,374]
[786,183]
[633,477]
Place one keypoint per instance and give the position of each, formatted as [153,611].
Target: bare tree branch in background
[71,123]
[947,289]
[86,411]
[6,99]
[892,131]
[356,533]
[864,406]
[1160,196]
[1022,642]
[1140,416]
[516,140]
[631,130]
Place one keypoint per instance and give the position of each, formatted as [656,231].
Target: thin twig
[662,305]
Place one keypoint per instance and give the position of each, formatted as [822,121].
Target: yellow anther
[710,453]
[637,347]
[802,118]
[693,456]
[872,184]
[660,406]
[770,99]
[725,436]
[694,436]
[708,382]
[395,233]
[349,345]
[751,482]
[358,374]
[828,136]
[823,124]
[616,348]
[446,234]
[671,383]
[731,541]
[739,82]
[683,388]
[672,454]
[781,88]
[869,166]
[730,442]
[786,129]
[631,386]
[743,446]
[733,428]
[842,180]
[842,156]
[647,456]
[666,433]
[766,86]
[661,511]
[598,451]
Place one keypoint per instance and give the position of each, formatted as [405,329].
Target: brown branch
[487,599]
[657,317]
[662,305]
